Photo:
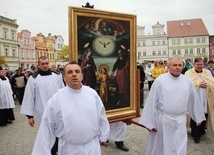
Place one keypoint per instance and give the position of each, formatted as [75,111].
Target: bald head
[175,66]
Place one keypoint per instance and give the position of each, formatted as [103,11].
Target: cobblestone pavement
[18,139]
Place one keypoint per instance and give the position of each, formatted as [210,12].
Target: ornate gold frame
[120,114]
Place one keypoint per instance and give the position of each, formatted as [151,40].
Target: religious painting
[104,44]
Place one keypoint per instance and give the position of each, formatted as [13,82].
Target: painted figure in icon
[104,87]
[89,69]
[120,65]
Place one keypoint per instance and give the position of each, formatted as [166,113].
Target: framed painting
[104,44]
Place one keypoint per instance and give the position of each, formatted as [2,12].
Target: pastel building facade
[8,42]
[188,39]
[27,53]
[152,46]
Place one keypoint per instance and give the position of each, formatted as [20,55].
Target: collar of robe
[198,71]
[2,77]
[44,73]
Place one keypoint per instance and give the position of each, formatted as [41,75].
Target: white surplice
[78,119]
[117,131]
[37,93]
[169,99]
[6,94]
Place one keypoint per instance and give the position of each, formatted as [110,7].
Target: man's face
[2,72]
[175,67]
[73,76]
[44,65]
[198,66]
[210,65]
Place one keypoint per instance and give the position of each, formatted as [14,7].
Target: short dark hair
[210,62]
[71,63]
[198,59]
[42,58]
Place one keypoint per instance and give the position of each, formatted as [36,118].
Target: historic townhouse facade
[8,42]
[59,44]
[211,52]
[152,47]
[50,49]
[188,39]
[27,54]
[40,45]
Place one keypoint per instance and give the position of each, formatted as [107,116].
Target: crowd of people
[72,117]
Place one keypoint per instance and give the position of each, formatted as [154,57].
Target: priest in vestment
[6,100]
[204,83]
[171,96]
[76,115]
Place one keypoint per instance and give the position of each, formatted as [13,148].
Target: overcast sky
[51,16]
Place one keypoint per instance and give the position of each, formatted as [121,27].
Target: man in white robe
[172,95]
[76,115]
[41,86]
[6,100]
[117,134]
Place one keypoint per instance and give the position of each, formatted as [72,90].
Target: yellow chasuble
[208,78]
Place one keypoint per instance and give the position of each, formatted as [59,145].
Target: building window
[164,52]
[144,44]
[159,52]
[185,41]
[191,51]
[138,44]
[59,45]
[203,40]
[198,50]
[186,51]
[198,40]
[203,50]
[164,43]
[6,52]
[179,51]
[153,52]
[178,41]
[144,53]
[139,54]
[153,43]
[173,42]
[14,53]
[22,55]
[174,52]
[158,42]
[191,41]
[5,34]
[13,36]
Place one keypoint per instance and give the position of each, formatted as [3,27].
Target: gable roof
[187,27]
